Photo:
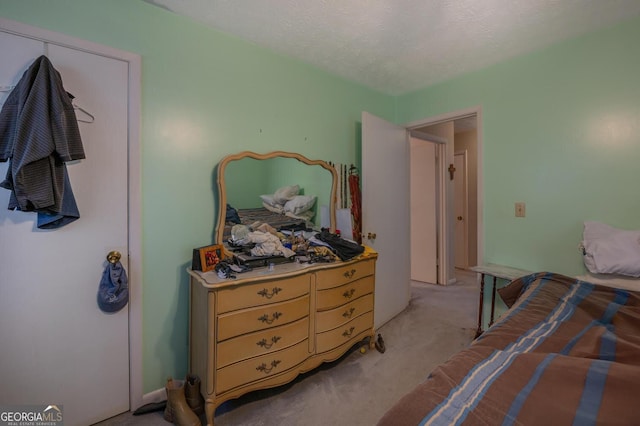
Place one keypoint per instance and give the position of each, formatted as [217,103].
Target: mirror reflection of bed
[284,190]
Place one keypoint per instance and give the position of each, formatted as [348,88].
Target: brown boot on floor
[192,394]
[178,411]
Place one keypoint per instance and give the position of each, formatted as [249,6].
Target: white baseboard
[157,395]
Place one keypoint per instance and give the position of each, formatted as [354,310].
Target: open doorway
[452,209]
[385,196]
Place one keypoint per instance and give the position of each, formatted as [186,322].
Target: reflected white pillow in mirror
[300,204]
[286,193]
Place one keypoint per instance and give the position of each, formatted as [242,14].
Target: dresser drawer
[335,277]
[343,334]
[254,319]
[330,319]
[334,297]
[261,367]
[262,293]
[262,342]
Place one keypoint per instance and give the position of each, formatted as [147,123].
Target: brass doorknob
[371,236]
[459,217]
[114,256]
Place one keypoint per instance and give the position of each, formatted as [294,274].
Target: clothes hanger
[79,108]
[75,106]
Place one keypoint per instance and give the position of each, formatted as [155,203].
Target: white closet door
[58,347]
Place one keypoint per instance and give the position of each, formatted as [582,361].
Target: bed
[285,209]
[263,215]
[566,352]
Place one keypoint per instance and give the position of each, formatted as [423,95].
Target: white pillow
[275,208]
[271,201]
[299,204]
[284,194]
[608,250]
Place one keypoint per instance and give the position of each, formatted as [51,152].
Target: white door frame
[446,261]
[135,230]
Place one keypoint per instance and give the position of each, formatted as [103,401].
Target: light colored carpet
[358,388]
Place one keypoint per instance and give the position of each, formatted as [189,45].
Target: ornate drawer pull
[349,274]
[348,333]
[266,370]
[347,314]
[265,293]
[267,345]
[349,293]
[265,317]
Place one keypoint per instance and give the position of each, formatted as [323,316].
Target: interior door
[445,132]
[385,212]
[461,257]
[58,347]
[423,210]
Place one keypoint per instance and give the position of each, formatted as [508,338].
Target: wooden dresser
[264,328]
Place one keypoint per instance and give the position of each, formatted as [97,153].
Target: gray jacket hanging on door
[38,135]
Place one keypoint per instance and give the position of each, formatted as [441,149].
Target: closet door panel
[17,54]
[59,348]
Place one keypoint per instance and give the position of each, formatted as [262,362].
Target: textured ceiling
[396,46]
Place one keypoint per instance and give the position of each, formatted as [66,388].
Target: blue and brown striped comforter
[566,353]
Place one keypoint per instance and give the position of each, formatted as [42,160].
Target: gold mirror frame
[222,193]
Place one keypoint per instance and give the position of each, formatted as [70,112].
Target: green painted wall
[561,132]
[204,95]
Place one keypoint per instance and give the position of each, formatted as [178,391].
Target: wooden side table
[496,271]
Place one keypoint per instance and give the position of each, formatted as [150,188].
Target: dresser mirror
[249,183]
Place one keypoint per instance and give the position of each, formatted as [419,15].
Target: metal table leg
[481,306]
[493,301]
